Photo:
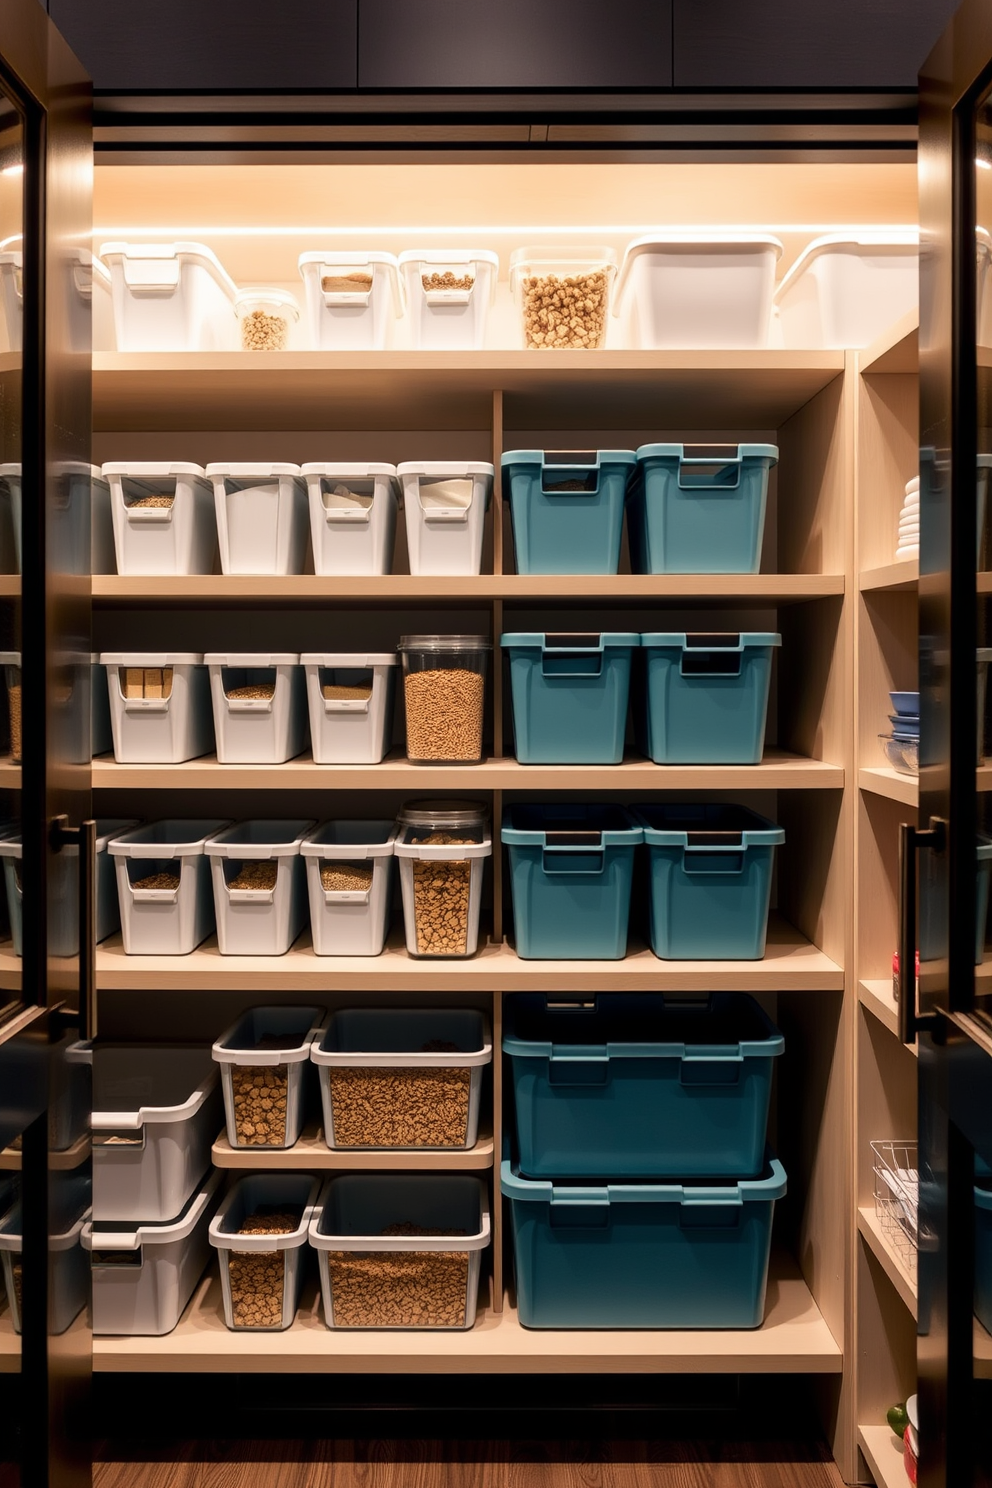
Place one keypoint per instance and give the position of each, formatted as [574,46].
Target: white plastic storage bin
[349,882]
[260,1236]
[691,289]
[259,882]
[353,298]
[157,1109]
[266,318]
[159,706]
[442,847]
[87,299]
[563,296]
[261,518]
[163,883]
[260,707]
[449,293]
[163,517]
[847,288]
[144,1274]
[264,1063]
[350,696]
[352,517]
[445,502]
[171,297]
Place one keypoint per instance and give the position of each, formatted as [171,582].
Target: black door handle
[910,839]
[83,837]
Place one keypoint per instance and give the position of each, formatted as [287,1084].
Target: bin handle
[251,896]
[249,705]
[731,860]
[146,705]
[348,514]
[156,515]
[346,705]
[709,460]
[447,514]
[347,896]
[556,860]
[594,669]
[153,896]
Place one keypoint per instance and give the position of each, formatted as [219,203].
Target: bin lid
[444,643]
[353,470]
[707,454]
[350,840]
[431,813]
[158,469]
[731,640]
[339,257]
[131,255]
[259,839]
[353,661]
[449,256]
[445,469]
[678,824]
[250,470]
[716,244]
[576,825]
[534,640]
[771,1185]
[267,294]
[566,459]
[901,241]
[150,658]
[165,839]
[119,1234]
[251,658]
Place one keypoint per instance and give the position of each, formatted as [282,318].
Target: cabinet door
[185,45]
[515,44]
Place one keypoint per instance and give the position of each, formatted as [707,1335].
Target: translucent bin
[349,883]
[163,884]
[11,663]
[444,691]
[694,508]
[847,288]
[570,694]
[163,515]
[571,872]
[711,880]
[160,710]
[171,297]
[156,1112]
[259,883]
[637,1085]
[266,318]
[80,519]
[353,299]
[350,699]
[260,1236]
[101,728]
[12,299]
[445,502]
[449,293]
[642,1255]
[688,289]
[442,847]
[85,285]
[262,518]
[704,697]
[264,1060]
[567,509]
[68,1263]
[259,706]
[407,1079]
[352,516]
[144,1274]
[382,1262]
[563,295]
[63,889]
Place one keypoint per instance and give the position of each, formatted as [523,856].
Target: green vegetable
[897,1418]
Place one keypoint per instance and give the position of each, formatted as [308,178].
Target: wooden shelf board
[876,995]
[10,586]
[883,781]
[11,970]
[883,1454]
[897,349]
[312,1155]
[67,1161]
[10,774]
[903,1280]
[891,577]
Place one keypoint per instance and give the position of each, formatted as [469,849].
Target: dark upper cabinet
[785,44]
[193,45]
[514,44]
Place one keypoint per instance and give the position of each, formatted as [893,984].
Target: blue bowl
[906,704]
[902,723]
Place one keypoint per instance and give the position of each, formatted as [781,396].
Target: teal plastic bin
[571,870]
[697,508]
[567,508]
[628,1255]
[710,880]
[635,1085]
[569,692]
[703,698]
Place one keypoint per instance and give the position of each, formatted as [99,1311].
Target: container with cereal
[444,685]
[263,1062]
[260,1235]
[442,847]
[563,295]
[266,318]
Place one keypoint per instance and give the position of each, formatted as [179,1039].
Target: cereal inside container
[260,1235]
[441,850]
[263,1063]
[444,683]
[563,295]
[266,318]
[12,668]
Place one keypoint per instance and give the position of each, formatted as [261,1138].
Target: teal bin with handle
[631,1255]
[695,508]
[703,696]
[569,692]
[710,880]
[566,507]
[571,871]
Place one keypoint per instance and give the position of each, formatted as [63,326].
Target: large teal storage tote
[703,698]
[642,1255]
[571,870]
[567,508]
[694,508]
[710,880]
[569,693]
[636,1085]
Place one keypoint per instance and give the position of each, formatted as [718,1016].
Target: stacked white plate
[908,537]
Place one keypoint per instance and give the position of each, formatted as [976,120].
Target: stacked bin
[259,706]
[569,692]
[349,884]
[260,1236]
[259,884]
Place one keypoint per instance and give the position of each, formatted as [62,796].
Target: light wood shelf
[10,774]
[10,586]
[883,1454]
[876,995]
[10,1343]
[903,1280]
[66,1161]
[11,970]
[881,780]
[896,350]
[311,1154]
[891,578]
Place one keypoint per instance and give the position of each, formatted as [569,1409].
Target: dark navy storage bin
[642,1255]
[711,880]
[933,904]
[638,1085]
[571,869]
[569,694]
[704,696]
[567,509]
[698,508]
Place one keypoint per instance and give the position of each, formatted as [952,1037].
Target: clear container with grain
[442,847]
[444,686]
[259,885]
[266,318]
[401,1250]
[260,1236]
[264,1063]
[563,296]
[11,661]
[349,884]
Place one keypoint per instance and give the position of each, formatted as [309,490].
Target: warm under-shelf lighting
[480,230]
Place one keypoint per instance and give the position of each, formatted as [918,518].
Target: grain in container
[847,288]
[445,503]
[569,691]
[697,290]
[402,1078]
[163,884]
[349,882]
[442,849]
[262,518]
[449,293]
[259,706]
[352,516]
[444,686]
[264,1064]
[260,1236]
[695,508]
[259,883]
[563,295]
[68,1263]
[703,696]
[171,297]
[401,1250]
[353,299]
[567,509]
[350,699]
[11,663]
[160,710]
[163,515]
[266,318]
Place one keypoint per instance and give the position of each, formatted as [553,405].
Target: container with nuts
[260,1235]
[266,317]
[449,294]
[444,684]
[563,296]
[442,849]
[349,884]
[264,1063]
[12,669]
[350,700]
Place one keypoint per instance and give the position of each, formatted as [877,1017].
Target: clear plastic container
[264,1062]
[554,287]
[445,504]
[444,685]
[442,847]
[266,318]
[260,1234]
[695,289]
[11,663]
[259,883]
[171,297]
[352,516]
[353,299]
[449,293]
[349,883]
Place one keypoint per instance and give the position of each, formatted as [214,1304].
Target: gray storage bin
[272,1042]
[68,1263]
[261,1274]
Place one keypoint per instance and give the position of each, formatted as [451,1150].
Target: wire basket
[896,1168]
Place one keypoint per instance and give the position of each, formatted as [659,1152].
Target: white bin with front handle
[350,698]
[163,516]
[163,883]
[352,516]
[261,512]
[260,706]
[349,883]
[171,297]
[445,503]
[449,294]
[259,883]
[159,706]
[353,299]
